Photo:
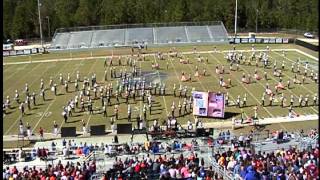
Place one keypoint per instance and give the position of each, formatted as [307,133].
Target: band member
[55,128]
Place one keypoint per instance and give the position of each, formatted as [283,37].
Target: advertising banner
[27,51]
[41,50]
[259,40]
[285,40]
[237,40]
[279,40]
[244,40]
[272,40]
[34,51]
[216,105]
[7,47]
[19,52]
[6,53]
[200,103]
[13,53]
[252,40]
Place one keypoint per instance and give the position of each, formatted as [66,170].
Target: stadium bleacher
[134,35]
[81,39]
[124,36]
[198,34]
[111,37]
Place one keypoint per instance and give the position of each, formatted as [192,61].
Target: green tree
[8,14]
[65,10]
[83,14]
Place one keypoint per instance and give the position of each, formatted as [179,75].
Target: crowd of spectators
[238,160]
[162,167]
[289,164]
[281,164]
[68,171]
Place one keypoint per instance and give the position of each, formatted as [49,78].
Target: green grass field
[43,115]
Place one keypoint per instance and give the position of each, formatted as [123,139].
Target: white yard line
[150,54]
[308,55]
[170,59]
[164,99]
[88,75]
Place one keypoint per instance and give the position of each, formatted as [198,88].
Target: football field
[45,112]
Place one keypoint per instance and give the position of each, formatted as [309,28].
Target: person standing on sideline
[28,130]
[83,127]
[129,113]
[41,133]
[55,128]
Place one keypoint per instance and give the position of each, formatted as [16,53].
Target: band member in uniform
[300,100]
[84,129]
[55,128]
[29,133]
[315,99]
[17,97]
[129,113]
[22,109]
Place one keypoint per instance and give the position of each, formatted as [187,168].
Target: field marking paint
[175,71]
[308,55]
[149,54]
[90,71]
[246,89]
[164,99]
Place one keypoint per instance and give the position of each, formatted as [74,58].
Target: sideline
[151,54]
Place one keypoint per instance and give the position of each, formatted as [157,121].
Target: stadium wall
[307,45]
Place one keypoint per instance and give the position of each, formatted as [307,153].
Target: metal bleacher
[134,35]
[110,37]
[169,35]
[80,39]
[198,33]
[128,35]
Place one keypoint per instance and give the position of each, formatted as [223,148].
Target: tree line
[20,17]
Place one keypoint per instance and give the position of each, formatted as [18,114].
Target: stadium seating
[131,36]
[169,35]
[218,33]
[198,34]
[80,39]
[112,37]
[139,35]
